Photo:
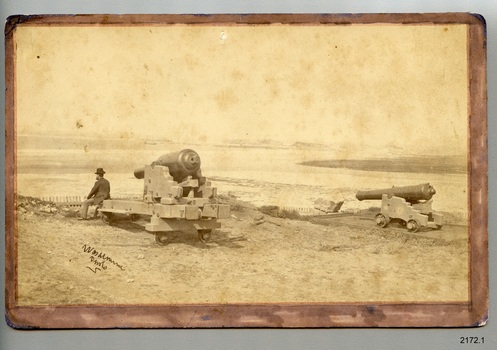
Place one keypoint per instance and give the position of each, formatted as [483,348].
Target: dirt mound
[37,206]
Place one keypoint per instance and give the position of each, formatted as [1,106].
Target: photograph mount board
[288,113]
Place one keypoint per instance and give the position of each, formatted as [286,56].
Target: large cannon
[169,201]
[411,205]
[180,164]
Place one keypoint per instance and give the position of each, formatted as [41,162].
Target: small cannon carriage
[176,197]
[411,205]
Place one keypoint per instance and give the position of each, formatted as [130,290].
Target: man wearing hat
[99,192]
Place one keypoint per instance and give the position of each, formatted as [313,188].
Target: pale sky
[355,86]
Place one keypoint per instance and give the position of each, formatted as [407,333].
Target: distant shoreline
[428,164]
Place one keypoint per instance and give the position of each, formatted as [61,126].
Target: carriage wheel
[204,235]
[412,226]
[161,238]
[107,218]
[381,220]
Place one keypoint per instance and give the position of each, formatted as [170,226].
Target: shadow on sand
[218,238]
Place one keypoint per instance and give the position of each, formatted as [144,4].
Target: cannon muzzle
[181,164]
[411,194]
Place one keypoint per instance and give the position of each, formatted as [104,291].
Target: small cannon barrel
[409,193]
[181,164]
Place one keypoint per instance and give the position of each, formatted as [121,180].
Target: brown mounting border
[472,313]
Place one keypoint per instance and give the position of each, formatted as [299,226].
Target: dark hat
[100,171]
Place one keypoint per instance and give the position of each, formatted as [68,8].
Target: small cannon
[176,197]
[411,205]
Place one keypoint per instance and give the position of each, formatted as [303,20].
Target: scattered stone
[327,206]
[259,219]
[45,209]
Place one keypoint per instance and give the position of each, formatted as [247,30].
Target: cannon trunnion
[176,197]
[411,205]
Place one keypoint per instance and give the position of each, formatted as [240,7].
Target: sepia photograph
[182,171]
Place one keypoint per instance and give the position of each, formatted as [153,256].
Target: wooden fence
[74,201]
[70,201]
[301,210]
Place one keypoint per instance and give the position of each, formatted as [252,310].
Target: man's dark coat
[101,191]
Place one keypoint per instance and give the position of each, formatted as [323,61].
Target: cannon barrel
[409,193]
[181,164]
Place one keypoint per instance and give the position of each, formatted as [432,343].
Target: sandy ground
[253,258]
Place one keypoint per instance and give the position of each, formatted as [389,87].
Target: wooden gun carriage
[176,197]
